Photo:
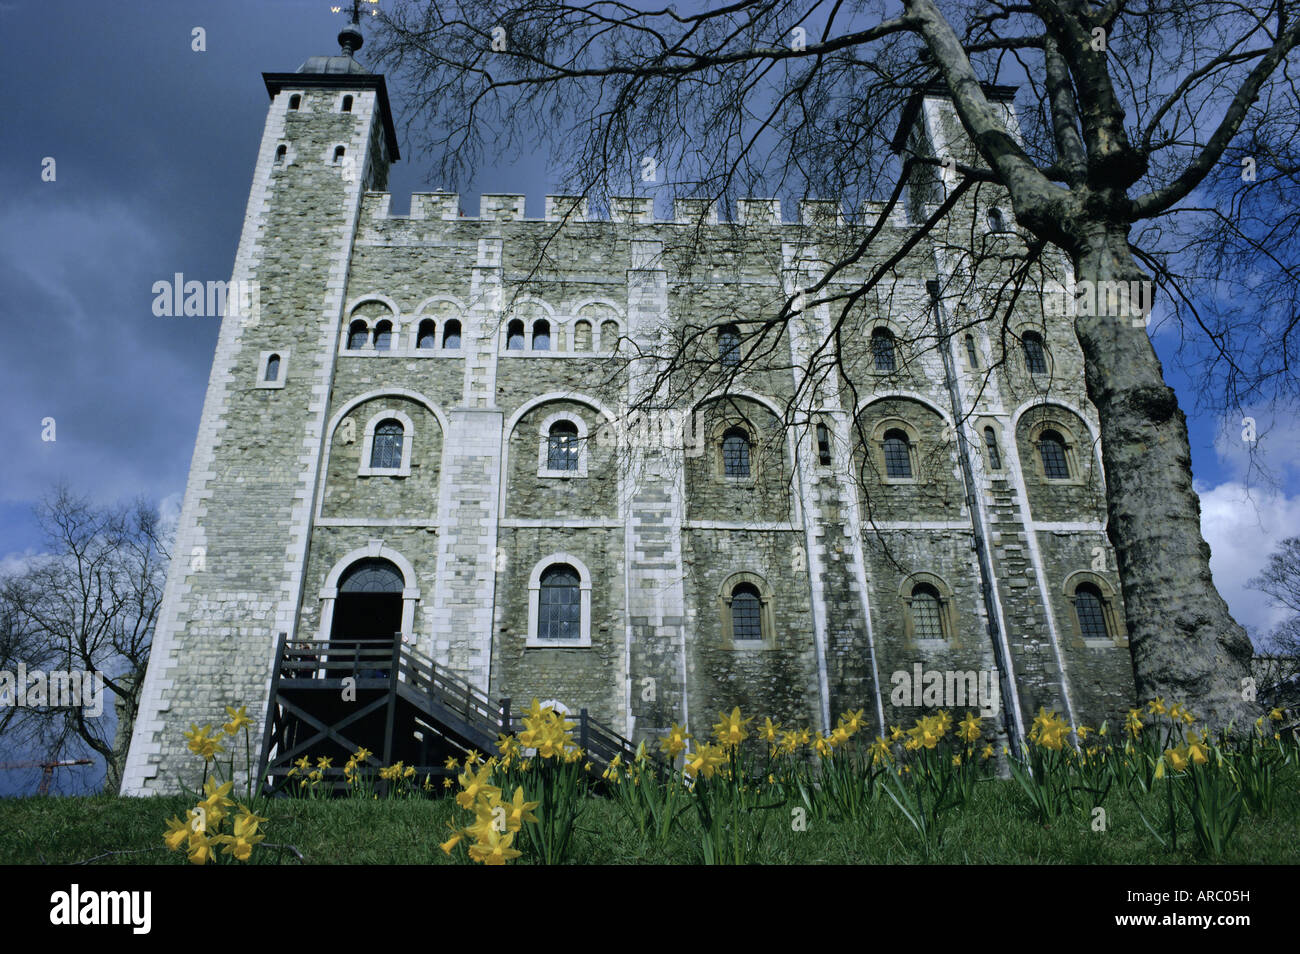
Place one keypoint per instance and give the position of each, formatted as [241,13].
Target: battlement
[637,210]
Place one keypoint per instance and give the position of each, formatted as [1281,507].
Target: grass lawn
[994,828]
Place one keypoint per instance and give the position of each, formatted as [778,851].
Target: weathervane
[356,9]
[350,36]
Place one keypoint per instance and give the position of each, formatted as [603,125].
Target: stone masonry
[480,334]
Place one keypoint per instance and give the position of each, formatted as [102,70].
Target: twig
[131,851]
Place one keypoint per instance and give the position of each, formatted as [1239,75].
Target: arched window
[823,445]
[541,336]
[746,613]
[281,154]
[729,346]
[427,336]
[1051,450]
[372,576]
[991,445]
[582,336]
[562,446]
[295,101]
[735,453]
[1088,608]
[882,349]
[358,335]
[383,336]
[559,608]
[451,335]
[515,336]
[1035,355]
[997,220]
[609,336]
[898,456]
[272,368]
[971,356]
[386,450]
[347,104]
[338,154]
[927,613]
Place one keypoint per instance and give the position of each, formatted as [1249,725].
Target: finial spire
[350,38]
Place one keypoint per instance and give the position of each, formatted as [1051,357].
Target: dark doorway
[368,610]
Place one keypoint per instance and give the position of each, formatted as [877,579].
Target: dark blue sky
[154,145]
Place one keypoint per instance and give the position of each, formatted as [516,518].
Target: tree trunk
[1185,645]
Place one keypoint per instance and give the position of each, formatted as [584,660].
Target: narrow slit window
[882,350]
[347,104]
[383,336]
[272,368]
[991,443]
[823,445]
[1035,354]
[746,613]
[729,346]
[971,355]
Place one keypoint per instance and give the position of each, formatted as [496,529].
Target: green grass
[994,828]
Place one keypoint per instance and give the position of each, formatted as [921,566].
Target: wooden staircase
[330,698]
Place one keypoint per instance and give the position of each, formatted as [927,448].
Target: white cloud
[1271,458]
[1243,527]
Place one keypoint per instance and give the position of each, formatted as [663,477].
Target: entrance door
[368,611]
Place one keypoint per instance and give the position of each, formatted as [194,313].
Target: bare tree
[1138,121]
[87,605]
[1281,581]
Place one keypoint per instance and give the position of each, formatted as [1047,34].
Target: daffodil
[769,731]
[730,729]
[494,849]
[202,742]
[238,720]
[969,728]
[1133,722]
[177,833]
[474,786]
[674,743]
[519,811]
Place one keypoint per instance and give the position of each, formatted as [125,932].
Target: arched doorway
[368,608]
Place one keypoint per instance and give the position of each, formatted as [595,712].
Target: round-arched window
[372,576]
[560,604]
[927,620]
[1051,450]
[898,458]
[735,453]
[1088,608]
[746,613]
[386,451]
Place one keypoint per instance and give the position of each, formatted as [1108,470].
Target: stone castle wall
[280,502]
